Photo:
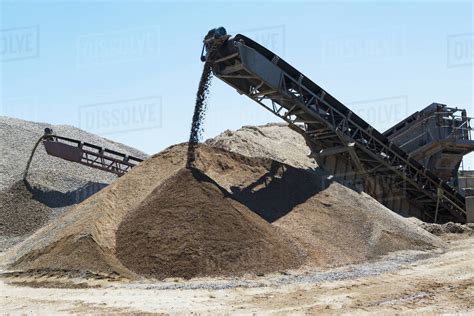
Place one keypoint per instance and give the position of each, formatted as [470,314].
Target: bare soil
[441,283]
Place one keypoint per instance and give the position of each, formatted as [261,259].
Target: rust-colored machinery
[85,153]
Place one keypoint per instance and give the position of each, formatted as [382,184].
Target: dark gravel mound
[55,183]
[191,227]
[20,214]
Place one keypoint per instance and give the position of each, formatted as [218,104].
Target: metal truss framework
[383,166]
[89,154]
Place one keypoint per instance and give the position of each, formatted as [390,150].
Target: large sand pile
[335,225]
[138,224]
[190,226]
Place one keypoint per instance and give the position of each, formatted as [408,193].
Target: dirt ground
[405,282]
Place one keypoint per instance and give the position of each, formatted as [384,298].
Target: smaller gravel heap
[274,141]
[21,214]
[446,228]
[18,138]
[53,186]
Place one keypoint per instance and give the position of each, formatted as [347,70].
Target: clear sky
[129,70]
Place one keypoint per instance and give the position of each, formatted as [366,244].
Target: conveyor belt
[84,153]
[341,141]
[89,154]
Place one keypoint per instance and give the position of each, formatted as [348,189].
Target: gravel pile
[446,228]
[332,223]
[273,141]
[160,221]
[18,138]
[20,213]
[54,184]
[190,227]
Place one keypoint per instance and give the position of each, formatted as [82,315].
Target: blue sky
[129,70]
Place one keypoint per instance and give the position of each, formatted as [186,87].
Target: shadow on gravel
[276,193]
[54,199]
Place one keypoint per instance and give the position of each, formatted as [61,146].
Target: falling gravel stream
[199,114]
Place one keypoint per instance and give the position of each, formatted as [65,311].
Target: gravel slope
[18,138]
[274,141]
[136,225]
[56,184]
